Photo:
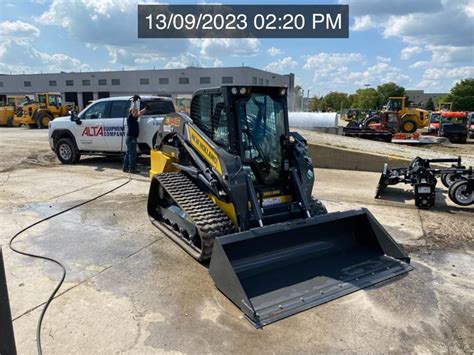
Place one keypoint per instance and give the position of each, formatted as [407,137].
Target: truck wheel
[43,119]
[10,121]
[66,151]
[408,126]
[449,179]
[458,193]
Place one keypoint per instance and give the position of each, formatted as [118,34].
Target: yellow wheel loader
[7,112]
[232,186]
[411,118]
[40,112]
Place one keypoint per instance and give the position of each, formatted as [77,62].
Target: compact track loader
[232,186]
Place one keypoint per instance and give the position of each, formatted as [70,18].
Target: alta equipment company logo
[101,131]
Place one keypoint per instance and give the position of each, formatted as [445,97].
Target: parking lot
[129,288]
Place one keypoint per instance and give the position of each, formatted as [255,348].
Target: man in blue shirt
[133,131]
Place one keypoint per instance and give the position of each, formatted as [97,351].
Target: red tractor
[387,127]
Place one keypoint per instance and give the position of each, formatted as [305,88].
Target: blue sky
[420,44]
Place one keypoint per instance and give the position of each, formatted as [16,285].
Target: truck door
[114,126]
[90,133]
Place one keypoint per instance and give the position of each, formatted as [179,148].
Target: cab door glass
[119,109]
[96,112]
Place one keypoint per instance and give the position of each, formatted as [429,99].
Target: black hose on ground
[51,297]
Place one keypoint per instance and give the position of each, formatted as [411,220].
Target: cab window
[42,99]
[96,111]
[159,107]
[119,109]
[54,100]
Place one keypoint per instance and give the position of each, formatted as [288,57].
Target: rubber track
[208,218]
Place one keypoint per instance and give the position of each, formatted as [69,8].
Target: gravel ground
[445,150]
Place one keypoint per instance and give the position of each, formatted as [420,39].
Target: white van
[100,128]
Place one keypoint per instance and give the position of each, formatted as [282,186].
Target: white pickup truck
[100,128]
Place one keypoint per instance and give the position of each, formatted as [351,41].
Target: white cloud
[383,59]
[18,30]
[349,71]
[439,79]
[217,63]
[451,54]
[282,66]
[409,52]
[363,23]
[20,56]
[422,28]
[469,9]
[109,24]
[383,7]
[420,64]
[212,48]
[274,51]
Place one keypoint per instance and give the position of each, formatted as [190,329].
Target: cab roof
[144,98]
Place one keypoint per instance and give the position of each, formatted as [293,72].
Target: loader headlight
[243,91]
[234,91]
[282,92]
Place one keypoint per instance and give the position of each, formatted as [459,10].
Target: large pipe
[312,119]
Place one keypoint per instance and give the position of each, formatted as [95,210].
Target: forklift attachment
[276,271]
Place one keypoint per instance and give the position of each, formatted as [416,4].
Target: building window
[86,82]
[267,82]
[52,83]
[204,80]
[260,81]
[115,81]
[144,81]
[227,80]
[69,82]
[1,84]
[184,80]
[27,84]
[102,82]
[163,81]
[254,80]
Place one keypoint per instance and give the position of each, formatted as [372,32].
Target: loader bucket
[276,271]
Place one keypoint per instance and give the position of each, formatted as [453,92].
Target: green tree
[352,100]
[386,90]
[462,95]
[336,100]
[315,104]
[429,105]
[367,98]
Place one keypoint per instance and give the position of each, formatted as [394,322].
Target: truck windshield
[159,107]
[262,120]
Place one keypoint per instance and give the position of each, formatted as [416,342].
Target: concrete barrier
[330,157]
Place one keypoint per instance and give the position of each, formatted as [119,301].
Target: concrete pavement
[130,289]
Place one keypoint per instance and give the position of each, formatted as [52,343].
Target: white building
[85,86]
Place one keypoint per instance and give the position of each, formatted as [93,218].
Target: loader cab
[396,104]
[250,122]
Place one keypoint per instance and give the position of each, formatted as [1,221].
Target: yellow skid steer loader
[232,186]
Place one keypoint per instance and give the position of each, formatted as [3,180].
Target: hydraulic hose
[53,294]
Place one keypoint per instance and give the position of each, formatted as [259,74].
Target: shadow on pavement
[103,163]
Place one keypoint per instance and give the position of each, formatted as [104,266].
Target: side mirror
[75,117]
